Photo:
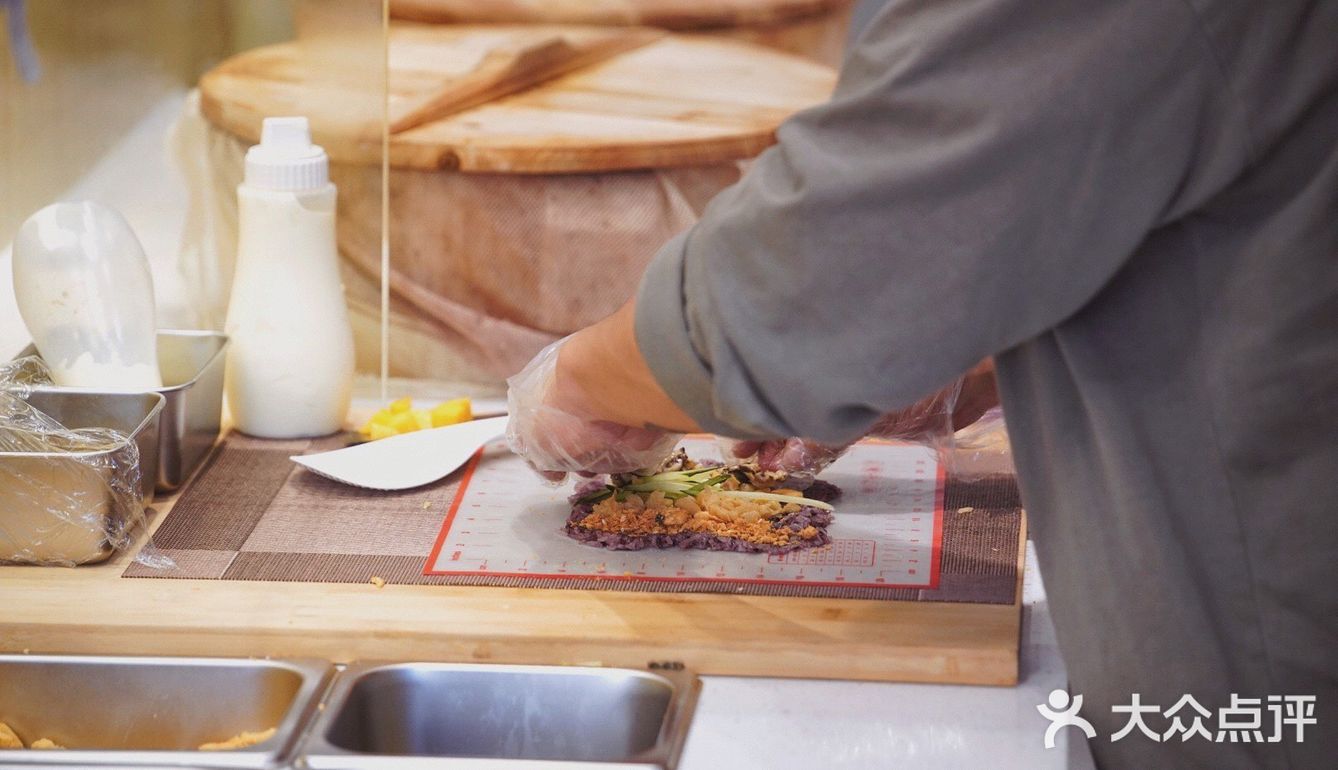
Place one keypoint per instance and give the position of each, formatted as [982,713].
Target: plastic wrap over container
[72,489]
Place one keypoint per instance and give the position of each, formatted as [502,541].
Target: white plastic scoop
[406,461]
[85,292]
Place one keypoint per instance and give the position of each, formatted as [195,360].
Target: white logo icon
[1241,722]
[1063,712]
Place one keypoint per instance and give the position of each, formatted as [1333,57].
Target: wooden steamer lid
[669,14]
[528,99]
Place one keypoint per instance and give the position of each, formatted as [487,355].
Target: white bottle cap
[286,159]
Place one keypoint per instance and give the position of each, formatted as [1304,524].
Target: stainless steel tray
[155,712]
[192,365]
[445,715]
[38,483]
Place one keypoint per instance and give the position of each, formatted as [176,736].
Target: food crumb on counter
[379,582]
[965,509]
[427,504]
[45,743]
[242,740]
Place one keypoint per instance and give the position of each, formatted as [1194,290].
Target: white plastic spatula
[406,461]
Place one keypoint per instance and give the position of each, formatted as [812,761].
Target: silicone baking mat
[902,531]
[888,533]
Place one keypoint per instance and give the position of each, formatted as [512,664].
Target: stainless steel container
[58,506]
[192,365]
[155,712]
[440,715]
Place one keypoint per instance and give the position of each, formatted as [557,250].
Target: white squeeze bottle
[290,361]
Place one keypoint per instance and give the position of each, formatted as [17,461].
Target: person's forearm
[602,374]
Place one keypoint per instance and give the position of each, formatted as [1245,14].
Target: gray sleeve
[982,170]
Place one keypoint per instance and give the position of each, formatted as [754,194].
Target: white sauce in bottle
[290,361]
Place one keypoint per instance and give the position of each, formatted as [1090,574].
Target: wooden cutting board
[488,64]
[94,610]
[433,72]
[671,14]
[528,99]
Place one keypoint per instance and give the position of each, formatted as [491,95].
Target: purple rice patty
[616,541]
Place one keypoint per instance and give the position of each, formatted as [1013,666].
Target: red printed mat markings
[505,523]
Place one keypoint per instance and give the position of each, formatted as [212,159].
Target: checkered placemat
[252,514]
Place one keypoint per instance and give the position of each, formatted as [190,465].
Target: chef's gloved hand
[932,421]
[800,458]
[928,422]
[556,435]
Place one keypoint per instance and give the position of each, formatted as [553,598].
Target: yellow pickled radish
[422,417]
[382,417]
[403,422]
[400,416]
[451,412]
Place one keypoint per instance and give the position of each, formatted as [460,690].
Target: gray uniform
[1133,206]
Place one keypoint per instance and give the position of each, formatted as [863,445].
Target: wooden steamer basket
[535,170]
[815,29]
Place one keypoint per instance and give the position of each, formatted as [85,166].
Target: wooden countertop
[91,609]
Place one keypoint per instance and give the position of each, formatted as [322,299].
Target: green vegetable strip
[701,485]
[777,498]
[658,486]
[674,486]
[678,484]
[595,497]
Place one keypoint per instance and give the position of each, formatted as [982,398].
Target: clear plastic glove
[928,421]
[982,448]
[931,421]
[549,429]
[800,458]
